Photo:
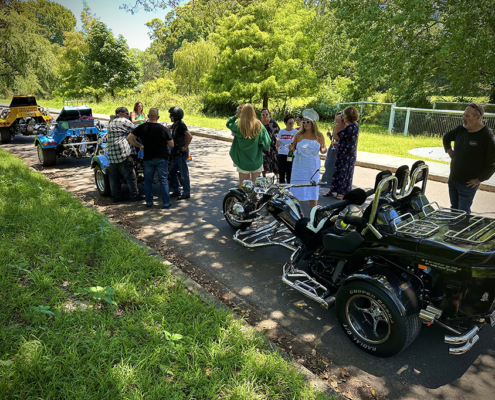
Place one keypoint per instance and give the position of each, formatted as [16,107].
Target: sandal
[328,194]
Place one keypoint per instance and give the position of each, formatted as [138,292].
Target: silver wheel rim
[100,180]
[229,204]
[40,154]
[368,319]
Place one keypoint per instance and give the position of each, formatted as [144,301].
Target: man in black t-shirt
[473,157]
[156,140]
[180,154]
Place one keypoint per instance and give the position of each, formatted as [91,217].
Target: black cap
[121,110]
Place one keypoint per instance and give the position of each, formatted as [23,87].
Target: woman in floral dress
[346,156]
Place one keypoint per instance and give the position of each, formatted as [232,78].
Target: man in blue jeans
[180,153]
[473,157]
[156,140]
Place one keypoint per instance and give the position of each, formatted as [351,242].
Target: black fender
[400,290]
[239,193]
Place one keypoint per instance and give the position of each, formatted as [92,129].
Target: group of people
[293,153]
[161,145]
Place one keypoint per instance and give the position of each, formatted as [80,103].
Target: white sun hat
[310,114]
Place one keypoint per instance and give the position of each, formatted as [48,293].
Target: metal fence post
[338,106]
[361,110]
[406,126]
[392,117]
[434,104]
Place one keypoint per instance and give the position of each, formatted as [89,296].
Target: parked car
[75,134]
[24,116]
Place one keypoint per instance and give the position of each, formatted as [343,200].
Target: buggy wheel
[372,321]
[228,203]
[47,157]
[102,182]
[5,135]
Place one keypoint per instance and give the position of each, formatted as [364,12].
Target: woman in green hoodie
[250,138]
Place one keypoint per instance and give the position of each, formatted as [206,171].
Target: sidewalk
[438,172]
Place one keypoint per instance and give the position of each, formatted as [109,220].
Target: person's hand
[473,183]
[450,152]
[142,147]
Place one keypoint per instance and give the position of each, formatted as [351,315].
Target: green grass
[86,314]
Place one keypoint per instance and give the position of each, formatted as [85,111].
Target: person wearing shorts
[250,139]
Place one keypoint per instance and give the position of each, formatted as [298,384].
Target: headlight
[247,185]
[238,209]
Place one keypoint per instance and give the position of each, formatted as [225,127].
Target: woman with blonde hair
[307,143]
[250,139]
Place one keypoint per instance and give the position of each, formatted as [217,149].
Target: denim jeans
[124,169]
[150,166]
[329,166]
[179,163]
[461,196]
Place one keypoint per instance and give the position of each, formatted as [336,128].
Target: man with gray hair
[119,155]
[156,141]
[473,157]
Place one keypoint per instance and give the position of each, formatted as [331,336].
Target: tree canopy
[264,52]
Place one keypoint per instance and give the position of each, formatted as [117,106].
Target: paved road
[197,230]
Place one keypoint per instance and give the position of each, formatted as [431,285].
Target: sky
[132,27]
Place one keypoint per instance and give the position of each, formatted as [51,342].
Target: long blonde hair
[249,125]
[319,136]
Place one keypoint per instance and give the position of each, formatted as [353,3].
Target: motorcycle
[387,267]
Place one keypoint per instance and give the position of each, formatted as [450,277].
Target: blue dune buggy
[75,134]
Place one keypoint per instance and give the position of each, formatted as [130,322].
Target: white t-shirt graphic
[285,139]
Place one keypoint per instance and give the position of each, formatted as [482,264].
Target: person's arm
[231,122]
[188,140]
[447,142]
[265,139]
[323,147]
[133,117]
[489,169]
[132,140]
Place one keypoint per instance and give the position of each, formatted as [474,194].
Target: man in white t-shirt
[285,137]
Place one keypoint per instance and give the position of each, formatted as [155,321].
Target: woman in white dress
[308,142]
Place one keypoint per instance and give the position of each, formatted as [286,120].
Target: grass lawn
[86,314]
[372,138]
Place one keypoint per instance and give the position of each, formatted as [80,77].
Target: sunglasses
[265,115]
[306,122]
[476,107]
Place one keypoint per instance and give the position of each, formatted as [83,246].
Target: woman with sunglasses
[346,155]
[270,163]
[332,152]
[308,142]
[137,116]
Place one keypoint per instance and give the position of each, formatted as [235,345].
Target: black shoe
[174,194]
[149,205]
[138,198]
[167,206]
[183,197]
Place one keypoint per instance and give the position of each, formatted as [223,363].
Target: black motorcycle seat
[343,244]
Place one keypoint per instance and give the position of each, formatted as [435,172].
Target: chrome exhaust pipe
[464,349]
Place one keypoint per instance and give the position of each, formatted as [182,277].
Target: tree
[53,19]
[264,52]
[71,64]
[109,65]
[27,63]
[150,65]
[194,21]
[192,62]
[87,18]
[422,47]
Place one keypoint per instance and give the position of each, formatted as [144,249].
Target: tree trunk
[265,100]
